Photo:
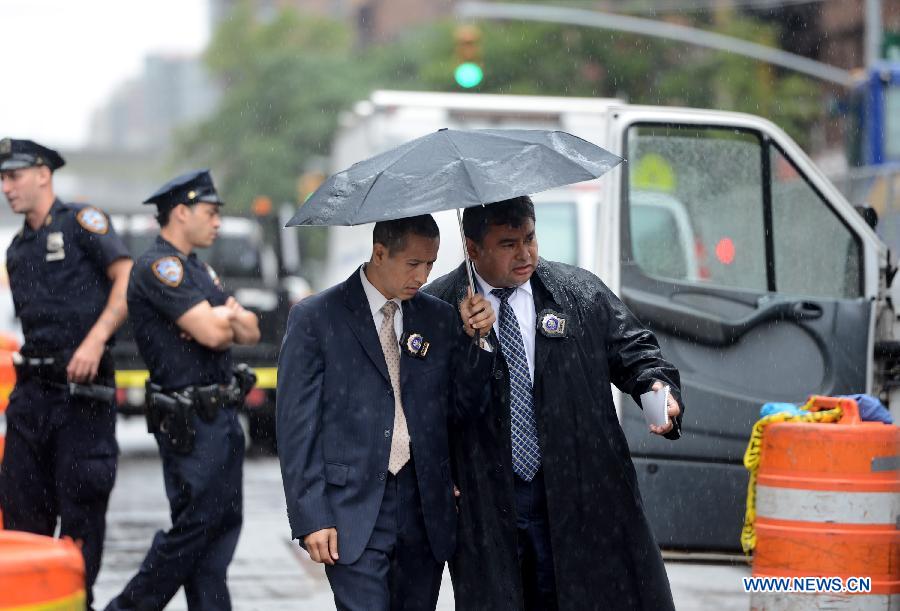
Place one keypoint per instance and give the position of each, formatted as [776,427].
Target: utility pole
[650,27]
[874,32]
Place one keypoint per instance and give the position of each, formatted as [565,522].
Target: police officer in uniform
[184,325]
[68,271]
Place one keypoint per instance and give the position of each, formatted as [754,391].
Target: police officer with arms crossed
[184,326]
[68,271]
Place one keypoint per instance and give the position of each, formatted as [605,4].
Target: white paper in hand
[655,404]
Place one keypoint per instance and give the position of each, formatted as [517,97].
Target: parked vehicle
[760,280]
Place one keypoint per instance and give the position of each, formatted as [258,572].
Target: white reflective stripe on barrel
[817,602]
[827,506]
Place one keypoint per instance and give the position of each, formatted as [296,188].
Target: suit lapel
[411,324]
[543,290]
[362,324]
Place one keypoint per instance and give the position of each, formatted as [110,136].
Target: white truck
[760,280]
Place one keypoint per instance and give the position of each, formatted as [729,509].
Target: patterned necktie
[390,347]
[526,450]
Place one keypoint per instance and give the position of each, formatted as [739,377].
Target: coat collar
[361,322]
[544,273]
[546,297]
[547,292]
[56,209]
[166,246]
[550,281]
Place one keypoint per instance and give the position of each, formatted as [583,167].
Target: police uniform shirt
[166,283]
[58,276]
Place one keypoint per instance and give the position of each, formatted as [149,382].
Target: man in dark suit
[362,421]
[548,486]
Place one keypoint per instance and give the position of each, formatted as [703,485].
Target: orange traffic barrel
[8,342]
[8,345]
[828,513]
[7,377]
[40,573]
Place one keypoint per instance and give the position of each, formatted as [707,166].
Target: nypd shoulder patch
[168,270]
[93,220]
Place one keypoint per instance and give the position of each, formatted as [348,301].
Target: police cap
[18,154]
[188,189]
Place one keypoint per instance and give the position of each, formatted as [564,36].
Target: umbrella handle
[462,235]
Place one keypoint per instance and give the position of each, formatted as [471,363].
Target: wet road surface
[269,572]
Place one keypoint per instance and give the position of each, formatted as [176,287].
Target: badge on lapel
[414,345]
[55,250]
[552,324]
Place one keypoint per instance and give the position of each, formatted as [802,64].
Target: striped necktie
[526,450]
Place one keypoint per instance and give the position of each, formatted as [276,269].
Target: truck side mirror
[869,214]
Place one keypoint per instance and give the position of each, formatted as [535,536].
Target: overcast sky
[63,58]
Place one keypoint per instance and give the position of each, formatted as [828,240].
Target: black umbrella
[451,169]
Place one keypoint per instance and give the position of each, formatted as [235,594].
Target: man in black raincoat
[550,515]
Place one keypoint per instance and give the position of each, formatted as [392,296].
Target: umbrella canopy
[453,169]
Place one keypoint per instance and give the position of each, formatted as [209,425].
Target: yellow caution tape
[131,378]
[752,457]
[266,378]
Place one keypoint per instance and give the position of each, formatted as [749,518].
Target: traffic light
[468,72]
[307,183]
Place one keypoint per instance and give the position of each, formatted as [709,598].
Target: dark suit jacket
[335,413]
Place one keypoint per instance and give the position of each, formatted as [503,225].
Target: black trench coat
[605,555]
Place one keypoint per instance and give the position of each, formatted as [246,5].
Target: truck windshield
[557,231]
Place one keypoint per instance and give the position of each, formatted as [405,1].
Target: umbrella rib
[466,167]
[363,200]
[557,131]
[381,173]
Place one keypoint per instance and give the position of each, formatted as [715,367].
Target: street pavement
[269,572]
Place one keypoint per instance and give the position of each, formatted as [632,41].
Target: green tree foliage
[286,80]
[551,59]
[284,83]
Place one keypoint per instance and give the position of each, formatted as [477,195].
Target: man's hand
[477,314]
[224,311]
[244,322]
[232,304]
[672,409]
[85,362]
[322,545]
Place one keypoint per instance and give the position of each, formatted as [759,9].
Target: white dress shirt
[377,301]
[522,304]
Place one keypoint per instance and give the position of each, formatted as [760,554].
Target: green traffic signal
[468,75]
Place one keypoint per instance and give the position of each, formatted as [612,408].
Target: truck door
[759,282]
